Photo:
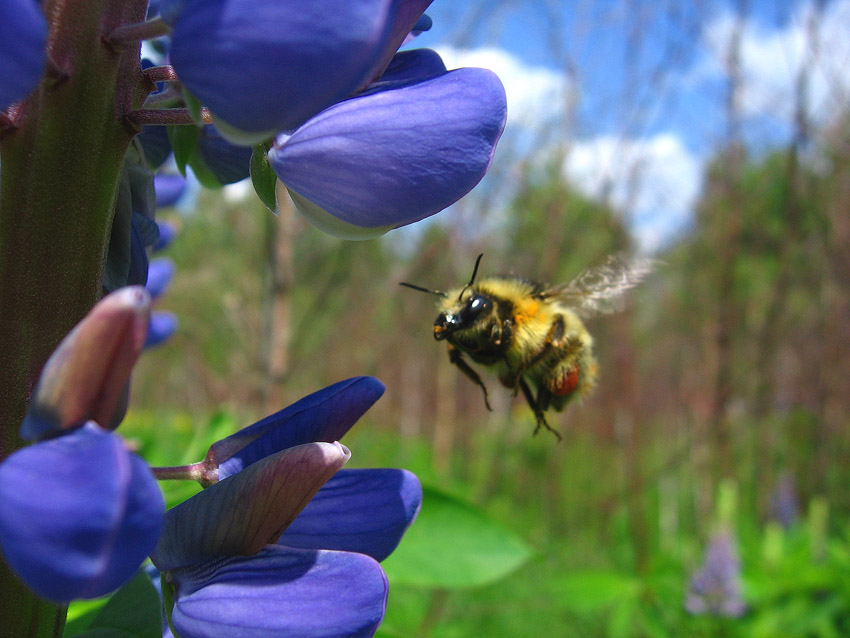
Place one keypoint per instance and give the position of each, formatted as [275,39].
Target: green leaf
[193,105]
[133,611]
[594,591]
[453,544]
[263,177]
[184,143]
[205,176]
[81,613]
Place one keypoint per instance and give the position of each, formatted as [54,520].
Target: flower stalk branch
[193,472]
[162,73]
[162,117]
[130,33]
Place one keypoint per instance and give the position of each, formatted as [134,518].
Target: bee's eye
[474,307]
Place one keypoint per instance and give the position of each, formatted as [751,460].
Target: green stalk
[58,184]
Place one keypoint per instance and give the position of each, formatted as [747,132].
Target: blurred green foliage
[726,373]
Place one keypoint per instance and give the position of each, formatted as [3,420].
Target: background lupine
[81,132]
[715,587]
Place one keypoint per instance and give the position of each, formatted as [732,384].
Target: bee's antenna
[439,293]
[471,279]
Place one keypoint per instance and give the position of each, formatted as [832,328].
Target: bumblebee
[532,335]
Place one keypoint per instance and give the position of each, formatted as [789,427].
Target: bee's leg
[456,357]
[536,407]
[554,343]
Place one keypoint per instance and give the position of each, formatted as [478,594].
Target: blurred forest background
[724,397]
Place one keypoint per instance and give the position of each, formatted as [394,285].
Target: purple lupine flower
[784,505]
[229,54]
[79,512]
[163,324]
[86,376]
[169,188]
[716,587]
[228,162]
[244,564]
[409,146]
[160,273]
[23,35]
[162,327]
[167,233]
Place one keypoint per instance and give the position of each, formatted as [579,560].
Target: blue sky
[649,83]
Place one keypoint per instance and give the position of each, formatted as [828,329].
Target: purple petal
[23,35]
[249,510]
[396,156]
[160,272]
[167,233]
[157,146]
[409,66]
[169,188]
[406,15]
[228,162]
[365,511]
[267,65]
[162,326]
[281,593]
[78,514]
[325,415]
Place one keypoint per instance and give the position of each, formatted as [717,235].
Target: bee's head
[463,316]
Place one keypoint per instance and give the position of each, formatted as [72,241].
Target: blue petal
[167,233]
[78,514]
[169,188]
[281,593]
[396,156]
[325,415]
[267,65]
[228,162]
[409,66]
[157,146]
[160,272]
[365,511]
[140,238]
[162,326]
[23,35]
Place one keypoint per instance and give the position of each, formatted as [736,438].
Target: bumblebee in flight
[532,335]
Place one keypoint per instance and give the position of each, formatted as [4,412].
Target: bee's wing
[602,290]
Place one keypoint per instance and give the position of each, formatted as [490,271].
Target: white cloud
[772,58]
[536,94]
[655,181]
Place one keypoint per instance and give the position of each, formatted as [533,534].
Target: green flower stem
[61,167]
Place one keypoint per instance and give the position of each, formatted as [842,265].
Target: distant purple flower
[716,587]
[784,506]
[413,143]
[247,558]
[79,512]
[23,36]
[262,66]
